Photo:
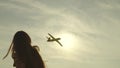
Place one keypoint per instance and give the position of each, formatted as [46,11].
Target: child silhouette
[23,53]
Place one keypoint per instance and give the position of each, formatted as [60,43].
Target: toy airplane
[51,39]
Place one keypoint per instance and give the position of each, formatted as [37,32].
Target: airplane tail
[48,39]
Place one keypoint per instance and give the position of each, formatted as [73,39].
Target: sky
[89,31]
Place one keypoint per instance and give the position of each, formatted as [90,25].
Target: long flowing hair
[21,45]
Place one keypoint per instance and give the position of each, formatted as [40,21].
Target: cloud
[93,23]
[104,5]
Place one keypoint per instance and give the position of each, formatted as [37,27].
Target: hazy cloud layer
[93,23]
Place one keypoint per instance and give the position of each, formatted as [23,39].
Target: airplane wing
[59,43]
[51,36]
[55,40]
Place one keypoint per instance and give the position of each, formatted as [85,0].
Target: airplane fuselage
[51,40]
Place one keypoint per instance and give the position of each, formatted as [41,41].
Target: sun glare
[68,41]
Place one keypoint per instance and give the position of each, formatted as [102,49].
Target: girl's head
[21,41]
[21,37]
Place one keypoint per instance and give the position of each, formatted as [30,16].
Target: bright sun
[68,41]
